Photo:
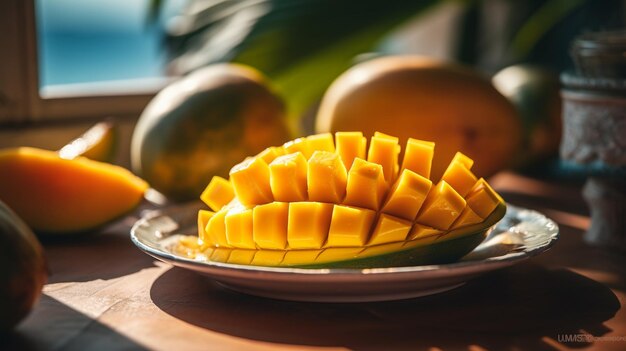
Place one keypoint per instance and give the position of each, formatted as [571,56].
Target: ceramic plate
[522,233]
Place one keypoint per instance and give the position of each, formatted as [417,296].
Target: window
[67,59]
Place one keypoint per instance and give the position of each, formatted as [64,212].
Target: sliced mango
[269,225]
[418,156]
[315,212]
[384,150]
[442,207]
[366,186]
[308,224]
[288,174]
[407,195]
[326,177]
[350,145]
[251,181]
[218,193]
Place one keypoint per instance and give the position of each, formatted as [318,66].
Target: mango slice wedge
[311,203]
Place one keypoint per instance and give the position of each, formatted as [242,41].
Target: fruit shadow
[105,254]
[523,307]
[53,325]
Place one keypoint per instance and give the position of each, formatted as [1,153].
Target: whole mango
[202,125]
[424,98]
[23,269]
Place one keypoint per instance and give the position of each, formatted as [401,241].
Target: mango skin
[422,98]
[55,195]
[23,269]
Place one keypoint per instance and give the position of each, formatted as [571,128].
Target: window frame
[21,99]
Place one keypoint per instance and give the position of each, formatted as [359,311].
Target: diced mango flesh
[299,204]
[251,181]
[350,145]
[218,193]
[418,156]
[366,186]
[407,195]
[288,178]
[459,177]
[308,224]
[442,207]
[269,225]
[349,226]
[321,142]
[390,229]
[326,177]
[384,150]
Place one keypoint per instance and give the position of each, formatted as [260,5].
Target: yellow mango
[269,225]
[55,195]
[384,150]
[238,227]
[420,231]
[269,154]
[418,156]
[300,257]
[349,226]
[298,145]
[216,230]
[467,217]
[335,254]
[268,257]
[366,186]
[407,195]
[308,224]
[390,229]
[459,177]
[251,181]
[203,219]
[288,177]
[241,256]
[483,199]
[465,160]
[442,207]
[326,177]
[321,142]
[350,145]
[218,193]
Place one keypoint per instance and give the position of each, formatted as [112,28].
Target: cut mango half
[314,203]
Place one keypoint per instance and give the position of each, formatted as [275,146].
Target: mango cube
[350,145]
[308,224]
[483,200]
[216,230]
[241,256]
[268,155]
[467,217]
[218,193]
[203,219]
[298,145]
[459,177]
[321,142]
[238,224]
[384,150]
[268,257]
[420,231]
[407,195]
[366,186]
[269,225]
[464,159]
[390,229]
[442,207]
[288,175]
[418,156]
[251,181]
[326,177]
[349,226]
[300,257]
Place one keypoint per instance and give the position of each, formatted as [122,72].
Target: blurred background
[67,64]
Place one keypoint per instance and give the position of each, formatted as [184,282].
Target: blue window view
[100,40]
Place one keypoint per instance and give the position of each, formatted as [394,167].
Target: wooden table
[104,294]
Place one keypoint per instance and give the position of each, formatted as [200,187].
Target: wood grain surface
[104,294]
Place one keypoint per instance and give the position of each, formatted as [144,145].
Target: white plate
[519,235]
